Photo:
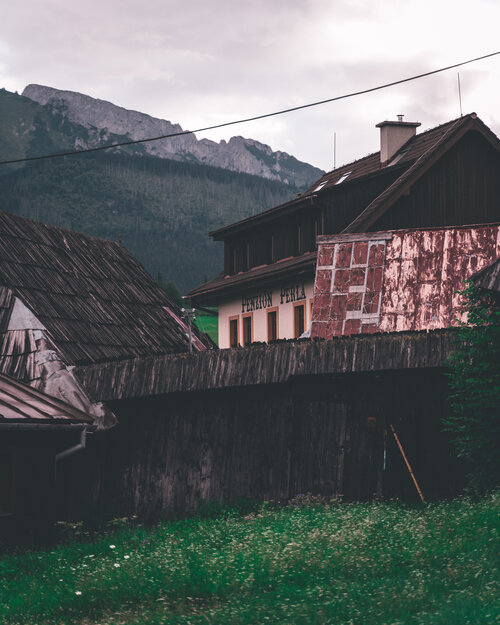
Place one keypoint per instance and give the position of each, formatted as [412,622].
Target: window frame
[243,332]
[230,320]
[269,311]
[296,305]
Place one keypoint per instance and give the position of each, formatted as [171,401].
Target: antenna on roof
[459,94]
[334,150]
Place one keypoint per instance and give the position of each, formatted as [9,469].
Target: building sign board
[264,299]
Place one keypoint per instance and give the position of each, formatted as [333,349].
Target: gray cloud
[199,63]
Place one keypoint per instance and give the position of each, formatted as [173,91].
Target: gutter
[41,426]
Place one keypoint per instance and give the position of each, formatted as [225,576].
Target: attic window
[343,177]
[320,186]
[399,156]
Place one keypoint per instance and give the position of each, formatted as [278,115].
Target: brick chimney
[393,135]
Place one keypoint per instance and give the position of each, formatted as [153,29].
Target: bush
[474,422]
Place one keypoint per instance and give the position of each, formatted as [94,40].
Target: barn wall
[169,453]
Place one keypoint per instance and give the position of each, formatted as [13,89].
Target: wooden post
[381,469]
[407,463]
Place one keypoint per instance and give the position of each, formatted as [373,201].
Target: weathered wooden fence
[266,423]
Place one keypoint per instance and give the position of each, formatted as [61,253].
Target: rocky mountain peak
[239,154]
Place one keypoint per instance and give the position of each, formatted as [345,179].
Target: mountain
[29,129]
[238,154]
[161,209]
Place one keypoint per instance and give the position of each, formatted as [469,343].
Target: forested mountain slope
[161,210]
[161,205]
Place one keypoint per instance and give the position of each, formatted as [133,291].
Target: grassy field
[208,324]
[366,564]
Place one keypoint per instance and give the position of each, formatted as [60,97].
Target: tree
[474,422]
[171,290]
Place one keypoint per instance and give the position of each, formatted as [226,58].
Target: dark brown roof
[267,364]
[369,165]
[427,152]
[240,282]
[93,297]
[407,154]
[19,403]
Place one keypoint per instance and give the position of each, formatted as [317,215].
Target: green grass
[208,324]
[366,564]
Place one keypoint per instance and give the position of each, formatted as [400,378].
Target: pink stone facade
[395,281]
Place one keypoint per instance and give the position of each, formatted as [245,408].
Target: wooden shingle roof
[94,298]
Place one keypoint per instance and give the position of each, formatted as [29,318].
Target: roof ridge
[371,154]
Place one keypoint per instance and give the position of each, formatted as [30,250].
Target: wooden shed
[37,433]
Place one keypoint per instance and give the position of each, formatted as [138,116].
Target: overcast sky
[199,63]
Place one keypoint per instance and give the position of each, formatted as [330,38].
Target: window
[299,319]
[298,242]
[272,324]
[246,256]
[344,177]
[271,257]
[234,333]
[247,330]
[320,186]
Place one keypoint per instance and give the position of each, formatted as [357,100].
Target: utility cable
[250,119]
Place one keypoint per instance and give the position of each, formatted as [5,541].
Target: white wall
[261,304]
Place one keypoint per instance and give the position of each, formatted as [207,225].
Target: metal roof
[19,403]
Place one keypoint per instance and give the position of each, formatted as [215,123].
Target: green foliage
[374,563]
[171,290]
[209,324]
[475,384]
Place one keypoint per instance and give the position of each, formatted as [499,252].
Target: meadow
[208,324]
[307,562]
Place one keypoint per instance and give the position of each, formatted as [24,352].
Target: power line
[250,119]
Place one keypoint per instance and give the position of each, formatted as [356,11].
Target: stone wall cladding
[397,281]
[348,288]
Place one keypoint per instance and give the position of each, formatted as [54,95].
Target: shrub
[474,422]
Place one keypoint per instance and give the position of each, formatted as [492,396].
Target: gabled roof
[408,164]
[96,302]
[19,403]
[412,160]
[427,153]
[369,165]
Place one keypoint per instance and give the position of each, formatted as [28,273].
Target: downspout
[75,448]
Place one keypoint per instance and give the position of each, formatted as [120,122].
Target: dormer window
[344,177]
[320,186]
